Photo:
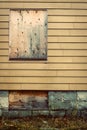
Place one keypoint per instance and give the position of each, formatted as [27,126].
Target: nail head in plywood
[28,34]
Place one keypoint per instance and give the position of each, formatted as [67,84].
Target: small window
[28,34]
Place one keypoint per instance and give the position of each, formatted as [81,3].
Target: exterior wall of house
[65,68]
[66,65]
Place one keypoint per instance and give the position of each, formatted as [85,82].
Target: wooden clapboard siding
[54,60]
[44,86]
[42,80]
[66,12]
[75,46]
[57,52]
[66,26]
[53,18]
[66,65]
[67,32]
[66,39]
[56,39]
[3,32]
[45,73]
[43,66]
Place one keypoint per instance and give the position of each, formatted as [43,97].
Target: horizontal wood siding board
[66,65]
[55,39]
[55,32]
[33,73]
[4,12]
[67,32]
[53,46]
[54,60]
[66,12]
[57,52]
[43,5]
[43,73]
[67,39]
[34,5]
[3,32]
[3,45]
[52,26]
[43,87]
[41,80]
[4,25]
[67,53]
[75,1]
[58,46]
[41,66]
[67,19]
[66,26]
[59,12]
[36,87]
[80,46]
[57,18]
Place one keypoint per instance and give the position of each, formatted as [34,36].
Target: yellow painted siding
[66,65]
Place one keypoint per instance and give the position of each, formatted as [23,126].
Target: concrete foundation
[53,103]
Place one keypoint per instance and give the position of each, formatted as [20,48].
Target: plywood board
[28,34]
[30,100]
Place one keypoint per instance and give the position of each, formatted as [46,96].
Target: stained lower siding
[66,65]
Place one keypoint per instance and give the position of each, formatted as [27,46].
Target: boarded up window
[28,34]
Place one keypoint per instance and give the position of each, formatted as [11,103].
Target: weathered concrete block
[84,114]
[73,113]
[0,113]
[47,127]
[5,113]
[10,114]
[57,113]
[16,114]
[82,100]
[4,100]
[62,100]
[40,104]
[82,95]
[69,113]
[41,113]
[24,113]
[13,114]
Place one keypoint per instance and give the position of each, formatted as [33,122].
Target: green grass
[43,123]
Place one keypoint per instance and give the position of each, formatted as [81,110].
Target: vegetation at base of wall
[43,123]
